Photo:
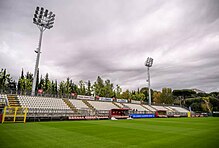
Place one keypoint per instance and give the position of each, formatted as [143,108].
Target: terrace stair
[125,106]
[116,105]
[13,101]
[89,105]
[144,106]
[70,105]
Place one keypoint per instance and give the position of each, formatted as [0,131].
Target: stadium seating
[57,107]
[3,96]
[3,100]
[149,108]
[102,105]
[179,109]
[119,105]
[79,104]
[137,107]
[42,103]
[169,109]
[159,107]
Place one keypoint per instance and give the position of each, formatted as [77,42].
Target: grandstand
[136,107]
[149,108]
[79,104]
[103,105]
[161,111]
[169,109]
[159,108]
[3,100]
[83,107]
[42,103]
[179,109]
[45,107]
[119,105]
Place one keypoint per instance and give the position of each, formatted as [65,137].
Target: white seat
[42,102]
[137,107]
[103,105]
[79,104]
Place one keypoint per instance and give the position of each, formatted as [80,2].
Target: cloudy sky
[113,38]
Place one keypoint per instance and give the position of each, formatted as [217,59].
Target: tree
[126,95]
[156,97]
[137,96]
[53,88]
[67,87]
[47,84]
[206,105]
[88,92]
[144,90]
[215,103]
[61,89]
[41,84]
[20,83]
[196,107]
[166,96]
[82,89]
[118,91]
[98,87]
[21,86]
[5,80]
[28,82]
[201,94]
[183,94]
[56,88]
[108,89]
[74,88]
[37,81]
[214,94]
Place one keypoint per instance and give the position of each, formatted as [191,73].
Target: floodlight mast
[148,64]
[44,20]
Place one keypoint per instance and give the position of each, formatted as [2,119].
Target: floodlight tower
[148,64]
[44,20]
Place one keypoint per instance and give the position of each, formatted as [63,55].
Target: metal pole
[149,89]
[37,63]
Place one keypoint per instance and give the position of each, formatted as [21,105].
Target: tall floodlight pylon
[148,64]
[44,20]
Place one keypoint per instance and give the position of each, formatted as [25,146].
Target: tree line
[105,88]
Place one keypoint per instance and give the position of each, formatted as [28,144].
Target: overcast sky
[113,38]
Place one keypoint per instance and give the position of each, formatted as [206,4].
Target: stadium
[137,125]
[61,104]
[36,108]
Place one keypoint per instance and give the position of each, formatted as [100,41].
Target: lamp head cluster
[43,18]
[149,62]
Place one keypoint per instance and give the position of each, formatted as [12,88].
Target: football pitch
[157,132]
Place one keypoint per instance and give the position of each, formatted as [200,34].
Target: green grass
[160,133]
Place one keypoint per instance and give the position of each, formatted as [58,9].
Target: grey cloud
[113,38]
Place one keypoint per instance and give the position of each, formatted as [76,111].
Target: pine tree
[41,84]
[56,88]
[108,89]
[118,91]
[88,88]
[47,86]
[82,89]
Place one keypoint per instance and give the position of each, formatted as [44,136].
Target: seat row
[42,102]
[57,103]
[103,105]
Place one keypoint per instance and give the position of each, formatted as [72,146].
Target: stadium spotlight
[148,64]
[44,20]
